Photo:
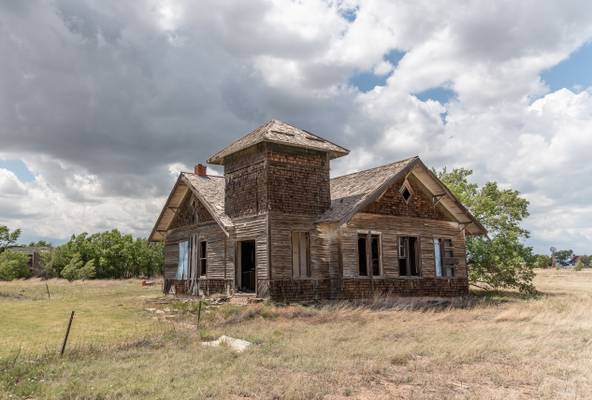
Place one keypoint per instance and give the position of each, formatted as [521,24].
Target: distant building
[35,257]
[573,261]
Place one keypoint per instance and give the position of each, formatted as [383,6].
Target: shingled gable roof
[275,131]
[210,192]
[351,193]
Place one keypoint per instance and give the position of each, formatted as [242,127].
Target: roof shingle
[348,191]
[276,131]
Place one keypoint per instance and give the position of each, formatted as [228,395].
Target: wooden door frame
[238,267]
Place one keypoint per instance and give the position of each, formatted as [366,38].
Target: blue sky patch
[365,81]
[19,168]
[440,93]
[350,14]
[574,73]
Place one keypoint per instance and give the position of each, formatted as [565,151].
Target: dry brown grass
[491,347]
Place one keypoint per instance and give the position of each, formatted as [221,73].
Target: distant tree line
[105,255]
[562,258]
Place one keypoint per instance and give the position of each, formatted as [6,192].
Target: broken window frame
[203,257]
[446,252]
[300,246]
[369,260]
[404,253]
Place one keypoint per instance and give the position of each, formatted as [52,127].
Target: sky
[103,102]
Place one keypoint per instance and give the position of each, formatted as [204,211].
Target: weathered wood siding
[253,228]
[216,249]
[282,226]
[191,211]
[185,228]
[246,182]
[391,227]
[273,177]
[298,180]
[420,205]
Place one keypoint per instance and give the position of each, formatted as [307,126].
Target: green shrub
[70,271]
[88,271]
[13,266]
[113,255]
[77,269]
[579,265]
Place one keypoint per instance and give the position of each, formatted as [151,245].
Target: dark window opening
[406,193]
[247,266]
[362,259]
[408,256]
[203,258]
[369,256]
[375,246]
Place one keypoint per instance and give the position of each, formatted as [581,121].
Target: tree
[40,243]
[13,265]
[563,256]
[7,237]
[579,265]
[113,255]
[500,261]
[542,261]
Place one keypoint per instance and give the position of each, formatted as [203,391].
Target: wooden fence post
[48,294]
[199,312]
[67,334]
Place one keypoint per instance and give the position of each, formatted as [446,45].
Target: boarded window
[408,256]
[203,258]
[301,255]
[369,258]
[183,263]
[438,256]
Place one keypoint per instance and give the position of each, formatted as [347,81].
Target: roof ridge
[378,166]
[206,176]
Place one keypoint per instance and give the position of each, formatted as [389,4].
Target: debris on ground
[148,283]
[238,345]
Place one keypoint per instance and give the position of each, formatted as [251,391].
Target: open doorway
[246,267]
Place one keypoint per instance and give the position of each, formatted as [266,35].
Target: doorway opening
[246,271]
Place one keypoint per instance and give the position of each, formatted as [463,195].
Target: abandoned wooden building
[276,225]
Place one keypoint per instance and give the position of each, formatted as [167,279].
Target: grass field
[490,347]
